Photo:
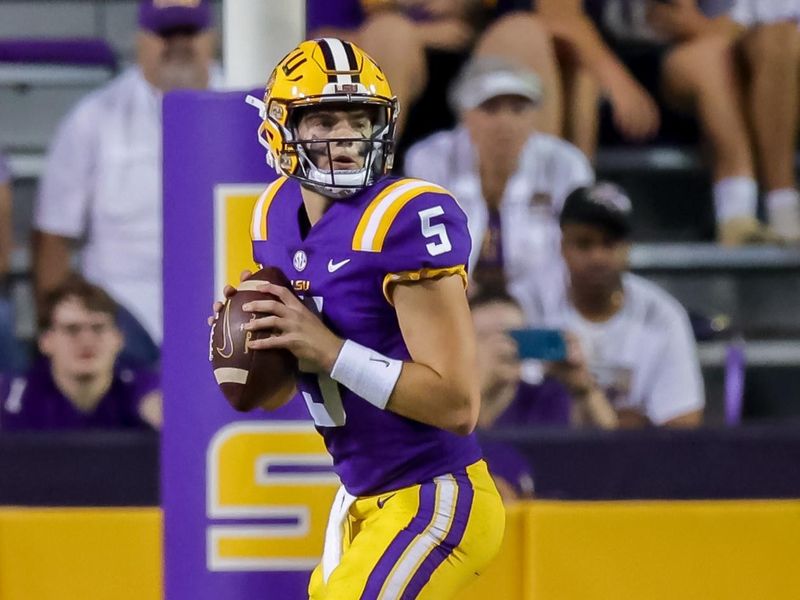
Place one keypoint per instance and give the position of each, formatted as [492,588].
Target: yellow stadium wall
[553,551]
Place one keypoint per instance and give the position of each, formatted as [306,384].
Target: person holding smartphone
[628,341]
[508,399]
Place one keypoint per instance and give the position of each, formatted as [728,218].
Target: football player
[386,349]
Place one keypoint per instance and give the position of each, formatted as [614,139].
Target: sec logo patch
[300,260]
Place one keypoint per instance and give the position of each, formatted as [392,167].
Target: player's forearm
[450,403]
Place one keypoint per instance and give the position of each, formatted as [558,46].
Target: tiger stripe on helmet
[339,57]
[351,60]
[327,56]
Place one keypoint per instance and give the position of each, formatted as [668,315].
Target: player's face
[80,343]
[500,127]
[595,258]
[336,123]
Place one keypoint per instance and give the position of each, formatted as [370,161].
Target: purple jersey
[395,230]
[34,402]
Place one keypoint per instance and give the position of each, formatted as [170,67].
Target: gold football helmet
[316,73]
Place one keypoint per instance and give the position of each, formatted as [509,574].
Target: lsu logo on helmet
[317,72]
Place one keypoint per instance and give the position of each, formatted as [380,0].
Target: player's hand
[227,292]
[294,328]
[635,113]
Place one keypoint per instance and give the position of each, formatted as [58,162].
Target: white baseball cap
[487,77]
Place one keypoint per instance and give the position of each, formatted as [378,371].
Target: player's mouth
[344,163]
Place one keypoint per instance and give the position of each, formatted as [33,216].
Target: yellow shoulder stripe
[419,275]
[258,225]
[382,211]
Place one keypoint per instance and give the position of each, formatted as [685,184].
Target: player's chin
[341,167]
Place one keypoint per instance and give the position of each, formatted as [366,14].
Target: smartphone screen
[541,344]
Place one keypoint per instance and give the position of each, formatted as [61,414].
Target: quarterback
[383,333]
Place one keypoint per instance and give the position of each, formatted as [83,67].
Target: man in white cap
[102,181]
[510,179]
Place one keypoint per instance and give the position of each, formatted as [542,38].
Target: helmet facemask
[375,150]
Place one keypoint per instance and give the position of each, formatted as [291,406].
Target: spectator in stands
[77,385]
[577,66]
[102,181]
[7,342]
[395,34]
[422,44]
[749,118]
[631,341]
[14,354]
[507,400]
[510,179]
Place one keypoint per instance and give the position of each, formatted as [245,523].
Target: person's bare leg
[521,38]
[701,75]
[390,39]
[582,107]
[772,53]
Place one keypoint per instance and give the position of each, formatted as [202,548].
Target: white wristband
[366,373]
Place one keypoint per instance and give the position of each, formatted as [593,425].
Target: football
[245,376]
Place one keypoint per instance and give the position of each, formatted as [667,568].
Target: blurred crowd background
[628,168]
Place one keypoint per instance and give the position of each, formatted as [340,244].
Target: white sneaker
[740,231]
[785,222]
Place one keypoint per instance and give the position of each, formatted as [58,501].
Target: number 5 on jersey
[437,231]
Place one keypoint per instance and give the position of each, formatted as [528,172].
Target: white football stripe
[375,220]
[258,215]
[424,543]
[250,285]
[339,59]
[230,375]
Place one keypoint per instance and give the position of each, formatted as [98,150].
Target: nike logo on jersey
[380,360]
[333,267]
[382,501]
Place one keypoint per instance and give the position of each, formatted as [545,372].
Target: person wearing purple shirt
[382,332]
[507,400]
[76,385]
